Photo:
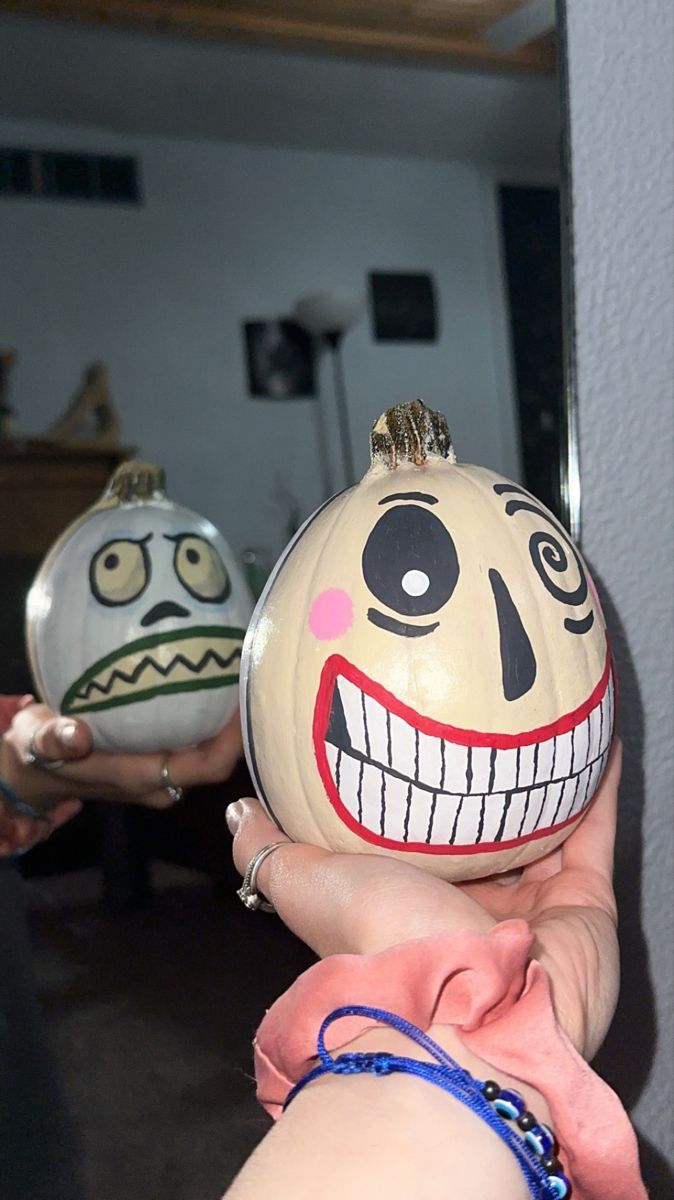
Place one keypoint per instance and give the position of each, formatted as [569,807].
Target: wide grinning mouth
[183,660]
[408,782]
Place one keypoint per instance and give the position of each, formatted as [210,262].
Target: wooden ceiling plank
[193,16]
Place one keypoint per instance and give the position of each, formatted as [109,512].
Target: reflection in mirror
[228,244]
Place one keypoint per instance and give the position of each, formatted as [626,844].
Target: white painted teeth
[353,703]
[402,811]
[409,786]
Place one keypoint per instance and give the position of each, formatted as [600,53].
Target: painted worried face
[428,675]
[136,625]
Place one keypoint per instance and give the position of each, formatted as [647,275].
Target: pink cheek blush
[331,614]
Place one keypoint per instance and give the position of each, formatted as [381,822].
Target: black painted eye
[410,562]
[119,572]
[200,569]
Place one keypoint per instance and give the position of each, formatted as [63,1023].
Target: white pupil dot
[415,583]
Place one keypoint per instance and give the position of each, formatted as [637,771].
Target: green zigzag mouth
[213,633]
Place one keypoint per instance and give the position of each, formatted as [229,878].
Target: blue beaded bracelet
[536,1151]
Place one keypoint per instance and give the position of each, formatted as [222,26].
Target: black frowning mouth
[407,782]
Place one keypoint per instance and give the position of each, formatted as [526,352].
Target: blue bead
[509,1104]
[561,1186]
[541,1140]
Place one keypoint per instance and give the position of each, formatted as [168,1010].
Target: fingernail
[68,733]
[233,815]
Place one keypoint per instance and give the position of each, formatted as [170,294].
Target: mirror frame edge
[570,450]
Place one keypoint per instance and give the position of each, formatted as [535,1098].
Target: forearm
[388,1137]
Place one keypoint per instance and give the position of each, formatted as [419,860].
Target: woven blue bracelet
[20,806]
[535,1151]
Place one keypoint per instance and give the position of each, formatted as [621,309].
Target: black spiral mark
[548,554]
[553,554]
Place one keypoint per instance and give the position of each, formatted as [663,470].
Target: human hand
[130,778]
[361,904]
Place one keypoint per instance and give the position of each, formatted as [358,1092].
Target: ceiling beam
[276,26]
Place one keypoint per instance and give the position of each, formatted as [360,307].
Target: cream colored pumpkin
[427,674]
[136,619]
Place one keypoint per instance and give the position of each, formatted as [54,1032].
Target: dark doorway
[530,220]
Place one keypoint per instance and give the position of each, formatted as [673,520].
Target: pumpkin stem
[135,480]
[410,433]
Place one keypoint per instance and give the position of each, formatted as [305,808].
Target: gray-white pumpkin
[136,619]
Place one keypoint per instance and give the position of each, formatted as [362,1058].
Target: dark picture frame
[403,306]
[280,360]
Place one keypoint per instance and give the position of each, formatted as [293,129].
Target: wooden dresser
[44,486]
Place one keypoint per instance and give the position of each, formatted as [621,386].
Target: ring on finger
[175,793]
[35,759]
[248,892]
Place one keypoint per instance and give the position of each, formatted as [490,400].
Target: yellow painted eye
[119,572]
[200,569]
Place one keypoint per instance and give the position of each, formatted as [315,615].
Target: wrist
[390,1040]
[400,1135]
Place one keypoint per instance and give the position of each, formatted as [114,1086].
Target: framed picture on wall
[279,359]
[402,306]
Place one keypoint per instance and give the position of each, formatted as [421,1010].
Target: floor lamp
[327,316]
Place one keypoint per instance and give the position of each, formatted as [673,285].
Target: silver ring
[35,759]
[175,793]
[247,892]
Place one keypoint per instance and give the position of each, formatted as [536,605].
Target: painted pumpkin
[427,673]
[136,619]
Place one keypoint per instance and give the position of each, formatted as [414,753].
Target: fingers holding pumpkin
[319,895]
[287,876]
[57,738]
[37,730]
[66,744]
[347,903]
[211,761]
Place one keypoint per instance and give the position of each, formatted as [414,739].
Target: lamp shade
[331,312]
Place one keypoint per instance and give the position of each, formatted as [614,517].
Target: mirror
[228,248]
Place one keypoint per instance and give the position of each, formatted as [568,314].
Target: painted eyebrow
[526,505]
[423,496]
[403,628]
[177,537]
[141,541]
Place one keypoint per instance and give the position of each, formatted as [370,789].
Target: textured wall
[620,67]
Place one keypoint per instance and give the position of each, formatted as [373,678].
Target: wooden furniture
[44,486]
[451,31]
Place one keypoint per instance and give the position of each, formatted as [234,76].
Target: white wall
[230,232]
[620,61]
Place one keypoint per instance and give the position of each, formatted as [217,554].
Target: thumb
[61,737]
